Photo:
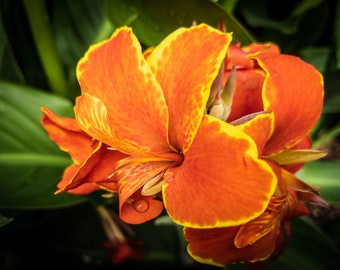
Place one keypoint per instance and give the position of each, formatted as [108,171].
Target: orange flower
[270,105]
[152,111]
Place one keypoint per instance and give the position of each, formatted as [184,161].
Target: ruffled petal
[220,182]
[97,169]
[216,246]
[132,174]
[293,90]
[186,64]
[67,134]
[127,101]
[270,220]
[253,241]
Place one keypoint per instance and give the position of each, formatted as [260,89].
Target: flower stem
[44,40]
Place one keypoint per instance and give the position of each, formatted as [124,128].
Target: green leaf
[31,164]
[325,175]
[337,33]
[9,68]
[309,248]
[4,220]
[152,20]
[317,56]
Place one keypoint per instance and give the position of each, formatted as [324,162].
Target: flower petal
[305,143]
[68,135]
[96,169]
[129,100]
[293,90]
[248,94]
[186,64]
[139,209]
[220,182]
[259,128]
[257,228]
[297,184]
[131,177]
[216,246]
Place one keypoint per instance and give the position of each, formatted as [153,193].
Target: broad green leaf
[325,175]
[291,26]
[9,68]
[152,20]
[30,163]
[304,5]
[77,25]
[259,14]
[20,59]
[70,28]
[317,56]
[332,94]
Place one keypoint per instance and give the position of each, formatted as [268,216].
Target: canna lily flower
[152,111]
[270,104]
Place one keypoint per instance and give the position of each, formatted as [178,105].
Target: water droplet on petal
[141,205]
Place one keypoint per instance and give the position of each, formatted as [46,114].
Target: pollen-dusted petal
[216,246]
[139,209]
[186,64]
[259,128]
[116,73]
[221,181]
[293,90]
[98,167]
[67,134]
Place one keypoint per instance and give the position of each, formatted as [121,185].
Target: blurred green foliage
[40,44]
